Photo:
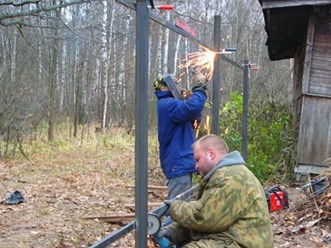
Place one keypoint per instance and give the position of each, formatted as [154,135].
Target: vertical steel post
[141,118]
[216,76]
[245,108]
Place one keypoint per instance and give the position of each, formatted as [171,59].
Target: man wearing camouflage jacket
[231,210]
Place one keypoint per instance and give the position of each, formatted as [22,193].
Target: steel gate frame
[141,112]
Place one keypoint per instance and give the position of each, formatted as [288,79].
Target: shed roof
[286,24]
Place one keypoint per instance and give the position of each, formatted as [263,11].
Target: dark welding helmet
[170,81]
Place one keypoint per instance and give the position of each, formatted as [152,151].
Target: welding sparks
[200,62]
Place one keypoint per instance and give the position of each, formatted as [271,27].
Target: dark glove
[201,87]
[175,233]
[165,233]
[199,78]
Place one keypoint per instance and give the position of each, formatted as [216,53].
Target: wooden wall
[320,74]
[314,145]
[314,141]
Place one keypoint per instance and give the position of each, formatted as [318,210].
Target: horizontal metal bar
[232,62]
[115,235]
[159,211]
[167,24]
[180,31]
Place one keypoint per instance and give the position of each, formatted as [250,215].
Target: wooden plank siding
[297,86]
[320,72]
[308,54]
[314,144]
[314,141]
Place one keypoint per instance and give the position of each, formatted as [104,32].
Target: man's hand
[163,233]
[186,94]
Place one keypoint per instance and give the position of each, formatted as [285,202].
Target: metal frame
[216,76]
[245,108]
[141,112]
[141,117]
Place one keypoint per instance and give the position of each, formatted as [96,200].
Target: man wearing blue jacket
[176,120]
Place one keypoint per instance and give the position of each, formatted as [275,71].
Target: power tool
[154,218]
[154,226]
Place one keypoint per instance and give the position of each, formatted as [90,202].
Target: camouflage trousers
[210,243]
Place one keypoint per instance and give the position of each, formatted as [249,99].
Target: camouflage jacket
[231,205]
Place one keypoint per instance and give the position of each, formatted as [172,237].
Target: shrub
[270,136]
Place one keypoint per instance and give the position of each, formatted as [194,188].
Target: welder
[177,119]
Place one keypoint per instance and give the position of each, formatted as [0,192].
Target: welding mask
[168,80]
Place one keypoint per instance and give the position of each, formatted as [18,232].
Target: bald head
[208,151]
[214,141]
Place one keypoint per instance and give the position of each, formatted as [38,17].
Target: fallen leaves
[308,218]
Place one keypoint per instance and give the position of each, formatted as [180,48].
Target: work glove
[200,87]
[199,78]
[175,233]
[164,233]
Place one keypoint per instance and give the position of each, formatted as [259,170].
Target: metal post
[245,108]
[216,76]
[141,117]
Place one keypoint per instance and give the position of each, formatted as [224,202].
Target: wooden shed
[302,30]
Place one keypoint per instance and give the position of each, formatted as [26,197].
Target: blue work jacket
[176,132]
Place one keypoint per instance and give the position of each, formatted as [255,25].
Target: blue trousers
[178,185]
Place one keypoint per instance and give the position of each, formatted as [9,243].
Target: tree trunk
[52,80]
[176,58]
[107,26]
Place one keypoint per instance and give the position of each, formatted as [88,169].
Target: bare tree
[83,54]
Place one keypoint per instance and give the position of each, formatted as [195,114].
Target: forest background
[67,68]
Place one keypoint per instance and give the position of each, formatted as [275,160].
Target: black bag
[14,198]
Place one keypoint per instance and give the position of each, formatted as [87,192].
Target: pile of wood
[309,211]
[317,203]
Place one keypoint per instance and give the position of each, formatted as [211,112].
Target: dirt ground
[61,199]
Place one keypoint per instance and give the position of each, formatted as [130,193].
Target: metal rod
[216,75]
[141,117]
[245,108]
[115,236]
[159,211]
